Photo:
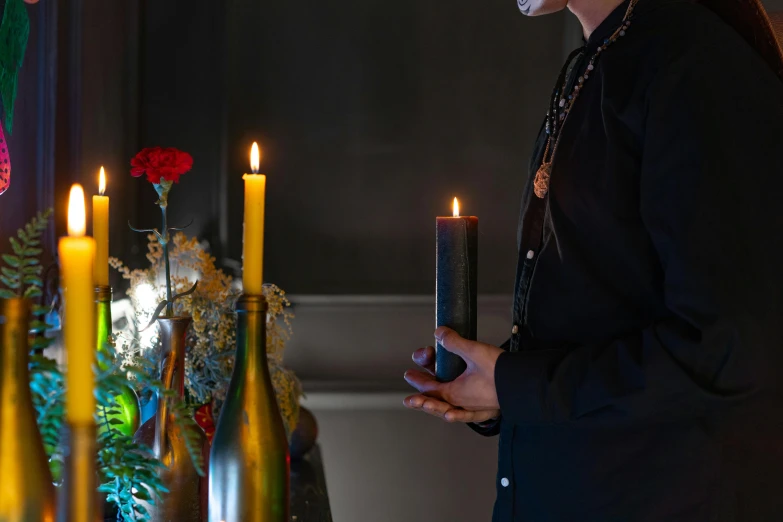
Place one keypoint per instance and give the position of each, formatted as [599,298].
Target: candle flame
[255,158]
[456,207]
[102,182]
[76,212]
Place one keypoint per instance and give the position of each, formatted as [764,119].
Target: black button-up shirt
[643,380]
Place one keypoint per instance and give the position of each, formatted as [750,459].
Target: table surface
[309,498]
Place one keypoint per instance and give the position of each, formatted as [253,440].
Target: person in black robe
[643,380]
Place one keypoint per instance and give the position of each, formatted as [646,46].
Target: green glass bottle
[127,402]
[249,461]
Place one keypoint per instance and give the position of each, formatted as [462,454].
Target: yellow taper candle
[100,232]
[77,255]
[253,246]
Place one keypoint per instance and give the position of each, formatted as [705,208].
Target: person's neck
[592,12]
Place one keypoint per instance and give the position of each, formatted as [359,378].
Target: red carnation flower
[161,164]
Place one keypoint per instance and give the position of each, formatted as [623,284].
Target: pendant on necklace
[541,182]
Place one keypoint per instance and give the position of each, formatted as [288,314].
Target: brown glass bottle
[27,493]
[249,460]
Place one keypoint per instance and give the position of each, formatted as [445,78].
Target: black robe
[644,377]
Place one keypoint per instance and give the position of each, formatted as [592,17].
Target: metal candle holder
[80,480]
[249,460]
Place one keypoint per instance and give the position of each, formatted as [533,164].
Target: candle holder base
[78,497]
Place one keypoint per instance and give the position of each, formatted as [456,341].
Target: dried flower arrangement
[210,354]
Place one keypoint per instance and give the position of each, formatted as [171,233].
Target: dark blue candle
[455,288]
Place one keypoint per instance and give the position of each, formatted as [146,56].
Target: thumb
[453,342]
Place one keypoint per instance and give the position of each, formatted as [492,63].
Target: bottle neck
[103,322]
[251,355]
[14,347]
[173,331]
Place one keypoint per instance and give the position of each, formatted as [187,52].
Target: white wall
[392,465]
[383,462]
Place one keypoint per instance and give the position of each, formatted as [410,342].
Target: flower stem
[165,243]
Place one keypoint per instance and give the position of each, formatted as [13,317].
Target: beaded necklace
[561,104]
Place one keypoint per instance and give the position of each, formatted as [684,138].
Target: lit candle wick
[456,207]
[255,158]
[102,182]
[76,212]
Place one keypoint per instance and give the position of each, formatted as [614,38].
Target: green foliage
[14,32]
[128,470]
[48,390]
[128,474]
[180,411]
[21,274]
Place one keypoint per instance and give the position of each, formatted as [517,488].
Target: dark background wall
[32,143]
[371,115]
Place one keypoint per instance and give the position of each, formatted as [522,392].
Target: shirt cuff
[521,380]
[487,429]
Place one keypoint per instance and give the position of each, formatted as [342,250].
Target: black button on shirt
[644,380]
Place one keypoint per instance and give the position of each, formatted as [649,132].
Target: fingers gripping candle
[456,286]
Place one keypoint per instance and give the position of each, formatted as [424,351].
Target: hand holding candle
[100,232]
[253,245]
[456,286]
[77,254]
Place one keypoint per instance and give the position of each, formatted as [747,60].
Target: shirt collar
[607,27]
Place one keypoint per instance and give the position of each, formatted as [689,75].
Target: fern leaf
[106,488]
[18,249]
[10,283]
[39,310]
[32,291]
[38,326]
[9,273]
[41,343]
[12,261]
[32,280]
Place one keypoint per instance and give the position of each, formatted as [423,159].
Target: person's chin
[541,7]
